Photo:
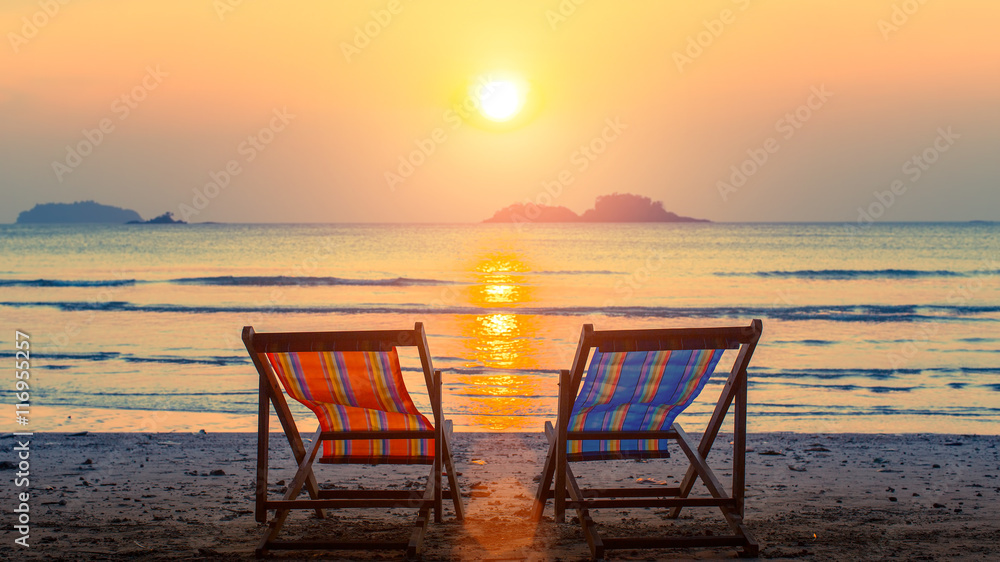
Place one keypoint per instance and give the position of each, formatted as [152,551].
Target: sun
[500,100]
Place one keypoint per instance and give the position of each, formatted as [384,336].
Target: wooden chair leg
[587,524]
[708,438]
[420,525]
[438,495]
[263,442]
[564,405]
[416,542]
[545,483]
[273,528]
[439,447]
[310,478]
[294,487]
[449,463]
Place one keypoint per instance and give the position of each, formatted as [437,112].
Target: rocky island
[165,218]
[88,212]
[79,212]
[617,207]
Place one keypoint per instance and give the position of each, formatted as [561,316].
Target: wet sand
[809,496]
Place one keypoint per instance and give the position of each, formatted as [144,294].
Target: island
[88,212]
[617,207]
[165,218]
[79,212]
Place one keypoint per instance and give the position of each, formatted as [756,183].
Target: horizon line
[483,222]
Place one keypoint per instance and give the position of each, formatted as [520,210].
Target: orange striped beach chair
[353,382]
[624,407]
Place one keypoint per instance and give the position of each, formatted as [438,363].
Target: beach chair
[636,384]
[352,381]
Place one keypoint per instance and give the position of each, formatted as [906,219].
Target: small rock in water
[88,461]
[217,472]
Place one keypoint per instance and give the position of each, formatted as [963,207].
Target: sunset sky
[316,108]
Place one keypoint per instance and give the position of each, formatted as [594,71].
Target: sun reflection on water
[503,342]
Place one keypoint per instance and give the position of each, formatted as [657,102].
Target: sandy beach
[810,496]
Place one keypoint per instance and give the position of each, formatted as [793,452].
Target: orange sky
[353,106]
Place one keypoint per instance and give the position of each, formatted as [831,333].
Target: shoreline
[152,496]
[73,419]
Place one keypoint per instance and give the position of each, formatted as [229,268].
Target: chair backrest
[665,380]
[353,382]
[368,380]
[640,380]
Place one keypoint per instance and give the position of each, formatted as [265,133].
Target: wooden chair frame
[271,394]
[568,494]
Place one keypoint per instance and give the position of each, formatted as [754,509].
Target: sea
[878,328]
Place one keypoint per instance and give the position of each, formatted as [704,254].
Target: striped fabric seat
[636,391]
[356,391]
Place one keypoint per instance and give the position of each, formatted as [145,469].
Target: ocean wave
[286,280]
[843,387]
[887,389]
[848,274]
[307,281]
[832,374]
[804,342]
[573,272]
[984,413]
[65,283]
[189,360]
[117,356]
[832,313]
[231,281]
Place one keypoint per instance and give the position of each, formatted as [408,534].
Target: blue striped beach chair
[353,382]
[623,406]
